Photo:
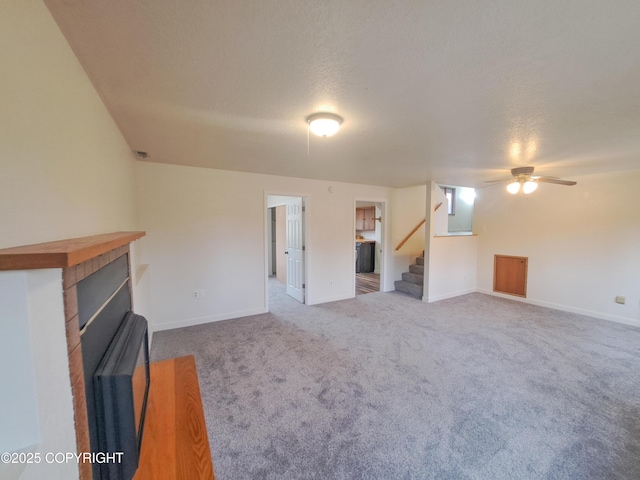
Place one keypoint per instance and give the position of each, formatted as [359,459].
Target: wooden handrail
[409,236]
[415,229]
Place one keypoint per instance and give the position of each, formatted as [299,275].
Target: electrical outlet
[196,294]
[620,299]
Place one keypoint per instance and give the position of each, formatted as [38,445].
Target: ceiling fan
[523,178]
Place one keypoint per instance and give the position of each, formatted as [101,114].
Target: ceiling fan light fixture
[324,124]
[523,180]
[529,187]
[513,187]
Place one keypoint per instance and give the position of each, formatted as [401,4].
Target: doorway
[369,248]
[286,251]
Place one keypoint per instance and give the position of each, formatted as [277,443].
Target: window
[450,193]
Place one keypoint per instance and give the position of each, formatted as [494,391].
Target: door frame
[305,228]
[280,213]
[384,260]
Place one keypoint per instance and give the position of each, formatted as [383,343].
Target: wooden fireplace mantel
[63,253]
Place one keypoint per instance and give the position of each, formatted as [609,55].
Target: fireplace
[106,256]
[175,435]
[115,359]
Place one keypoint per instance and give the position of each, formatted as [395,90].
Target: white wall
[450,261]
[206,231]
[407,209]
[452,267]
[36,390]
[441,215]
[18,410]
[65,171]
[55,403]
[582,243]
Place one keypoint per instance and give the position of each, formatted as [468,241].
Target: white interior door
[295,249]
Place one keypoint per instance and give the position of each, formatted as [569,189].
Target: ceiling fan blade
[555,180]
[499,181]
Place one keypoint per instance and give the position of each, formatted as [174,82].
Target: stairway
[412,281]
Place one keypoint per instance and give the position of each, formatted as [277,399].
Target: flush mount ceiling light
[324,124]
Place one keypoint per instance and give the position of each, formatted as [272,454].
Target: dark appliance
[365,257]
[121,388]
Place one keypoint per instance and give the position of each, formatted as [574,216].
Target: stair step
[410,288]
[420,261]
[413,278]
[419,269]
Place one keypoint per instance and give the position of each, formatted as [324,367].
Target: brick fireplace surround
[78,258]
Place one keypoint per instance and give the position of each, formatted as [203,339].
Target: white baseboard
[564,308]
[437,298]
[337,298]
[190,322]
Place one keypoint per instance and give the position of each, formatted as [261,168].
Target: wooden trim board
[63,253]
[175,445]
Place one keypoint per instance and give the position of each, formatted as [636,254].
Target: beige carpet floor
[384,386]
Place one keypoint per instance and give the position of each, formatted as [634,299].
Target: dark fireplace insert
[121,387]
[115,357]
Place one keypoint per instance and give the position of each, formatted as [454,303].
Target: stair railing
[415,229]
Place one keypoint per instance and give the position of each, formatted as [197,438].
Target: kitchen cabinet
[365,218]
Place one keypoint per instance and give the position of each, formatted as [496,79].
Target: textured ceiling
[455,91]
